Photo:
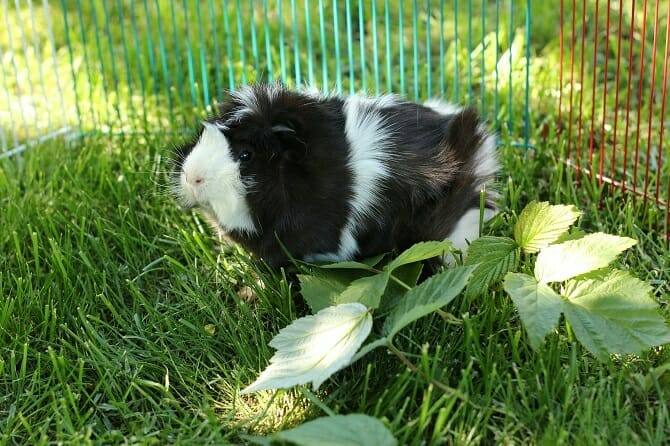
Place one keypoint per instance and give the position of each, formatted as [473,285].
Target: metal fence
[120,66]
[613,95]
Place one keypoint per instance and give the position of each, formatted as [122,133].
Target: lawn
[124,320]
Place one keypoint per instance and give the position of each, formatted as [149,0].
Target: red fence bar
[593,93]
[601,157]
[636,161]
[651,103]
[616,86]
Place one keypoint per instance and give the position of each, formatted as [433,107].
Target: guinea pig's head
[235,169]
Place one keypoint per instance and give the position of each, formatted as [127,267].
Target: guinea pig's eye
[245,156]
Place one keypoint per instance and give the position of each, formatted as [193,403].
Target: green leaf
[557,263]
[320,291]
[420,251]
[429,296]
[492,258]
[541,224]
[366,290]
[314,347]
[338,430]
[614,315]
[539,306]
[347,265]
[407,274]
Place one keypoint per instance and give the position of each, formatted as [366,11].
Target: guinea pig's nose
[194,180]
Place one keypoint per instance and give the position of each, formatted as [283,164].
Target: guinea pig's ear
[291,146]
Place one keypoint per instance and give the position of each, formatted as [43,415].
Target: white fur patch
[442,107]
[221,190]
[466,231]
[486,160]
[368,160]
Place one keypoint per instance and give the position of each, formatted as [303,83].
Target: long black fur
[299,185]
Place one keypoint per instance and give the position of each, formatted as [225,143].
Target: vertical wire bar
[324,48]
[616,89]
[572,84]
[387,29]
[350,46]
[296,44]
[112,60]
[101,59]
[52,42]
[496,99]
[310,50]
[560,62]
[457,96]
[70,53]
[164,65]
[9,101]
[442,89]
[526,119]
[630,82]
[189,57]
[150,52]
[663,98]
[229,45]
[510,118]
[177,52]
[131,109]
[36,49]
[581,90]
[87,64]
[483,43]
[282,49]
[470,92]
[651,107]
[240,41]
[254,40]
[415,49]
[24,47]
[136,41]
[218,77]
[203,58]
[375,49]
[601,155]
[361,41]
[268,48]
[639,105]
[336,35]
[401,48]
[593,91]
[429,80]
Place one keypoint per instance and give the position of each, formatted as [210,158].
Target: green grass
[120,321]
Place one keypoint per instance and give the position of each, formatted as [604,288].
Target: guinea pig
[328,178]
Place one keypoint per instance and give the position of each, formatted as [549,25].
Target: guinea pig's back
[438,157]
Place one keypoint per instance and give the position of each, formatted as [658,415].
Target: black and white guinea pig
[337,178]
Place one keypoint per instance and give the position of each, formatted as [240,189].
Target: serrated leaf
[614,315]
[538,305]
[420,251]
[492,257]
[314,347]
[338,430]
[366,290]
[407,274]
[429,296]
[347,265]
[541,224]
[557,263]
[320,291]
